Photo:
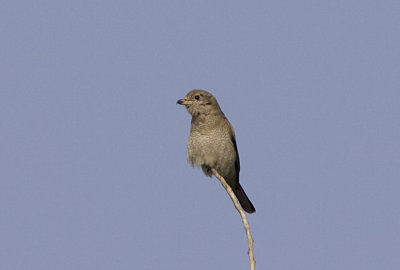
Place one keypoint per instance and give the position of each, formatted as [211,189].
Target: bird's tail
[243,199]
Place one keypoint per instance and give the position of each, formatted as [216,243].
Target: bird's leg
[207,170]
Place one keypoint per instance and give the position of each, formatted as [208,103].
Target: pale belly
[214,152]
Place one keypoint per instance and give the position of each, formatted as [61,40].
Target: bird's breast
[213,149]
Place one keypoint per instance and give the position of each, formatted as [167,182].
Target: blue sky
[93,170]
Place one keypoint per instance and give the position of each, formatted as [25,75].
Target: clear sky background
[93,170]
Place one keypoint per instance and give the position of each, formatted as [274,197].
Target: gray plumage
[212,142]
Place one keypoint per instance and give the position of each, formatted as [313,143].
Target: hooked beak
[183,102]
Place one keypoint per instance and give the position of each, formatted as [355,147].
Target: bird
[212,142]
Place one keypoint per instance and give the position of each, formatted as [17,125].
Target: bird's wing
[233,139]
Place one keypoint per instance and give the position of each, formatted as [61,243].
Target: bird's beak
[183,102]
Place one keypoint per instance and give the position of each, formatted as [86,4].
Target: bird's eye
[197,97]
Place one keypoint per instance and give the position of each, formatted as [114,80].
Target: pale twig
[242,214]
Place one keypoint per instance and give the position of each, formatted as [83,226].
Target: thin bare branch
[242,214]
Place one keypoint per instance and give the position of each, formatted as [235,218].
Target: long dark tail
[243,199]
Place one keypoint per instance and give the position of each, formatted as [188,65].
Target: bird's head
[200,102]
